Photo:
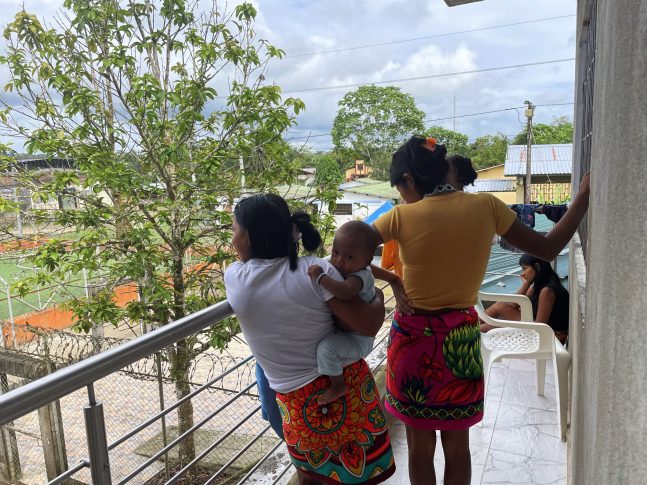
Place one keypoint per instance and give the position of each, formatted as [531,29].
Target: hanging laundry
[554,212]
[525,213]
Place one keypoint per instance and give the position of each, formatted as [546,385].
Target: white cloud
[431,60]
[300,26]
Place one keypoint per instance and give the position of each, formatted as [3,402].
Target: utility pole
[18,214]
[530,111]
[454,112]
[241,166]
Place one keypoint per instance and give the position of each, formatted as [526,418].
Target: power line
[403,41]
[555,104]
[495,111]
[472,114]
[431,76]
[469,140]
[307,137]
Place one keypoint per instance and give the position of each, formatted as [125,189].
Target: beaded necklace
[440,189]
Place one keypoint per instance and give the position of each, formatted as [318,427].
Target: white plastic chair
[526,340]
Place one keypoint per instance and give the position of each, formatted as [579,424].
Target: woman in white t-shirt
[283,315]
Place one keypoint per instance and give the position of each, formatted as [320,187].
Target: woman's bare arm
[403,303]
[358,315]
[545,305]
[548,247]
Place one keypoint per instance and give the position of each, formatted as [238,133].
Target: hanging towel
[554,212]
[525,213]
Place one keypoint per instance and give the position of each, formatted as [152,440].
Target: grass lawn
[11,271]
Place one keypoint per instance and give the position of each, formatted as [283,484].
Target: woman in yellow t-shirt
[435,372]
[461,173]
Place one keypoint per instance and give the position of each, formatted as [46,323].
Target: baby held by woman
[352,252]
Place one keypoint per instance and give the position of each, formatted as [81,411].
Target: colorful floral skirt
[346,441]
[435,370]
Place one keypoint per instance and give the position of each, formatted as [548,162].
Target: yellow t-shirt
[445,245]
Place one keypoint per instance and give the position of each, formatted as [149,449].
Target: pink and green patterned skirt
[346,441]
[435,370]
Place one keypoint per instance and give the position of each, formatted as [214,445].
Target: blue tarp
[386,207]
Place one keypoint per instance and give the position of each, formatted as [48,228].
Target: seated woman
[548,297]
[284,314]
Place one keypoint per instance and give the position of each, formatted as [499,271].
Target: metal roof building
[546,160]
[492,185]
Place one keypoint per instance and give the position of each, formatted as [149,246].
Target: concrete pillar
[608,435]
[10,469]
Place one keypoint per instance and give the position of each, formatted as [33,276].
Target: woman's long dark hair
[427,168]
[545,276]
[268,221]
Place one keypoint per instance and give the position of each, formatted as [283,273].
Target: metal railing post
[95,429]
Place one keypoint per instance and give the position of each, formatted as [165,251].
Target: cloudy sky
[414,43]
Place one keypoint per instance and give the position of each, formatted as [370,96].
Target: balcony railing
[239,406]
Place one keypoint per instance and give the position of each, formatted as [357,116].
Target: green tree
[372,122]
[128,91]
[302,156]
[559,131]
[457,143]
[489,150]
[328,172]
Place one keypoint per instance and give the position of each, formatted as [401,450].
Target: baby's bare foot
[333,393]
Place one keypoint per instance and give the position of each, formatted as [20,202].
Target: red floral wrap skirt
[435,370]
[346,441]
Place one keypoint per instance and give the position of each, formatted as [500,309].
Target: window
[360,167]
[343,210]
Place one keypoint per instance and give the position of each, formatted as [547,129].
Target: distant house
[307,175]
[493,181]
[10,188]
[357,199]
[365,195]
[551,171]
[360,170]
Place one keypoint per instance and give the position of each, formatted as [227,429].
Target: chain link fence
[52,440]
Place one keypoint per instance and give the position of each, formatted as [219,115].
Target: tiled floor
[518,442]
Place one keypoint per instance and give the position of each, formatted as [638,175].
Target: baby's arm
[402,302]
[344,290]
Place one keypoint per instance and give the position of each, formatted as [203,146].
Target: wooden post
[49,417]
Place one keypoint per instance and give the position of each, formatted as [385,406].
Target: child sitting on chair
[352,252]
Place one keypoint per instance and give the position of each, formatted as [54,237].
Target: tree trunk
[180,370]
[182,364]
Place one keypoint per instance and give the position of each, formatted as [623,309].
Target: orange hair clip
[430,144]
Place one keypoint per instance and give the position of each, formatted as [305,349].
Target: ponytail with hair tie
[306,231]
[273,232]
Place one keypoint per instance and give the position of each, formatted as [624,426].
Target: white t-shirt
[283,315]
